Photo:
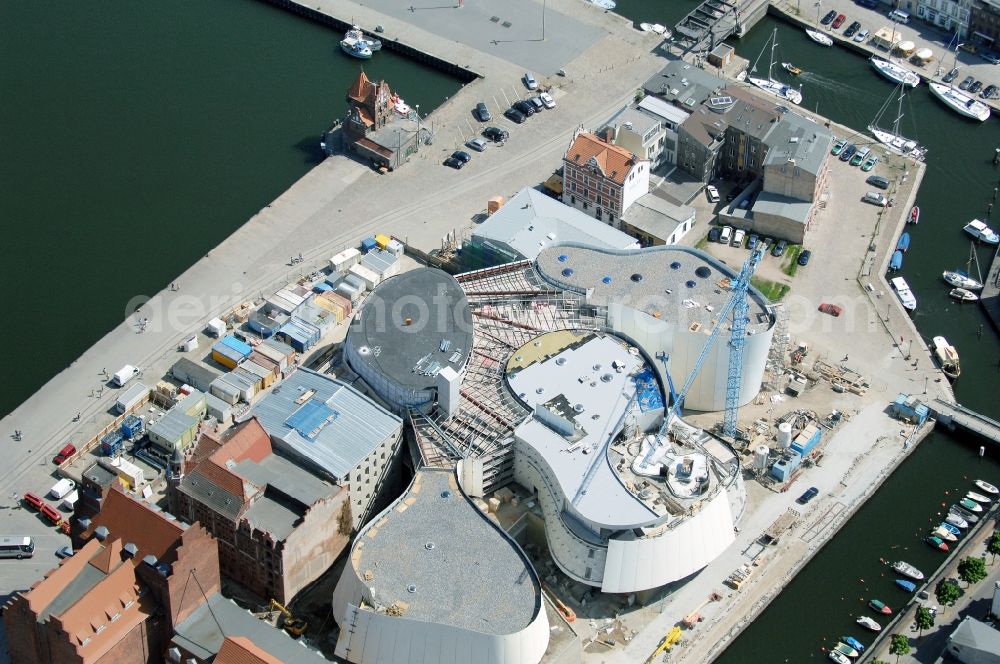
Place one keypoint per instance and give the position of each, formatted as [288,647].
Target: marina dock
[990,297]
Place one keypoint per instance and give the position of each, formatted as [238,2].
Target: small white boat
[987,487]
[399,105]
[960,102]
[867,622]
[904,293]
[971,505]
[981,232]
[946,535]
[978,497]
[356,34]
[819,37]
[947,357]
[604,4]
[963,295]
[906,569]
[956,520]
[662,30]
[356,49]
[895,72]
[960,280]
[742,76]
[838,657]
[791,69]
[646,27]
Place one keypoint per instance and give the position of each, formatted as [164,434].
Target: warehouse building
[178,427]
[195,374]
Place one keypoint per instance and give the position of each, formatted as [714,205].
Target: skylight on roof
[311,418]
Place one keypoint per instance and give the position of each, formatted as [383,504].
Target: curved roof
[412,326]
[439,560]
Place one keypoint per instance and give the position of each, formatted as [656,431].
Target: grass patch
[772,290]
[791,265]
[702,243]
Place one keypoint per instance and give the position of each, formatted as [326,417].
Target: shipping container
[132,427]
[124,375]
[349,291]
[193,373]
[382,240]
[381,263]
[112,443]
[246,381]
[266,321]
[226,356]
[807,440]
[294,298]
[193,404]
[342,261]
[219,409]
[322,287]
[174,431]
[368,277]
[223,389]
[368,244]
[395,248]
[300,334]
[279,304]
[241,347]
[282,352]
[216,328]
[260,359]
[273,354]
[130,397]
[337,298]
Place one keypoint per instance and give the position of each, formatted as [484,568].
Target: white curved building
[432,581]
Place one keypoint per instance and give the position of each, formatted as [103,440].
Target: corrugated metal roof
[241,377]
[237,345]
[226,351]
[224,384]
[194,373]
[173,425]
[341,443]
[380,261]
[279,346]
[256,369]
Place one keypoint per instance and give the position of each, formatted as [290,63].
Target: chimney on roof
[130,550]
[101,533]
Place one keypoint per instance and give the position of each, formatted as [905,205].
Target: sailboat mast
[899,112]
[774,43]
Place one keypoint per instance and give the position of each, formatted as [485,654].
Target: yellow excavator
[294,626]
[672,637]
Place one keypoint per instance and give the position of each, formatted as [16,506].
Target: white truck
[124,375]
[69,502]
[62,488]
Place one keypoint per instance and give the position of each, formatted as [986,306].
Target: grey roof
[662,109]
[782,206]
[638,122]
[241,376]
[796,137]
[276,517]
[194,373]
[73,592]
[440,327]
[201,490]
[748,112]
[214,403]
[379,260]
[337,426]
[398,132]
[279,346]
[173,425]
[655,216]
[971,633]
[289,478]
[529,219]
[683,84]
[464,570]
[256,369]
[224,384]
[648,280]
[203,631]
[99,475]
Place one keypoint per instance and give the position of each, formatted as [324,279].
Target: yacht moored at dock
[904,293]
[987,487]
[906,569]
[960,102]
[895,72]
[947,357]
[819,37]
[979,230]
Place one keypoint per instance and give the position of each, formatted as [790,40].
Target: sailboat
[894,140]
[957,100]
[769,84]
[962,280]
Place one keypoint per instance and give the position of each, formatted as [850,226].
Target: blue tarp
[310,419]
[237,345]
[647,390]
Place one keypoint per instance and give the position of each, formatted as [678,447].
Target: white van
[61,488]
[124,375]
[899,16]
[727,235]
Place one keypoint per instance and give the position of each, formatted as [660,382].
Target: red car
[831,309]
[839,21]
[64,454]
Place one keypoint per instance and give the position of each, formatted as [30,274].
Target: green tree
[900,645]
[947,593]
[925,620]
[993,546]
[972,570]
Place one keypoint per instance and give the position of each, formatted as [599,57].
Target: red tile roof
[241,650]
[134,522]
[613,161]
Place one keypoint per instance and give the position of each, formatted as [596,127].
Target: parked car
[496,134]
[476,144]
[861,36]
[838,147]
[536,102]
[875,198]
[976,87]
[950,76]
[808,495]
[738,237]
[870,4]
[515,115]
[462,156]
[852,29]
[547,100]
[990,92]
[752,241]
[64,551]
[878,181]
[482,113]
[712,193]
[727,234]
[848,152]
[779,249]
[713,234]
[831,309]
[966,82]
[991,57]
[839,21]
[828,18]
[451,162]
[765,243]
[63,454]
[899,16]
[525,107]
[804,257]
[529,81]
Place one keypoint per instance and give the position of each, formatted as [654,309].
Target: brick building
[378,126]
[984,22]
[278,525]
[601,178]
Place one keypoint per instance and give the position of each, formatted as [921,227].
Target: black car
[805,256]
[851,29]
[870,4]
[848,152]
[779,248]
[482,113]
[713,234]
[950,76]
[457,164]
[990,92]
[976,87]
[830,15]
[463,157]
[878,181]
[515,115]
[808,495]
[966,82]
[525,107]
[496,134]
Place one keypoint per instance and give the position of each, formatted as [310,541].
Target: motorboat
[947,357]
[904,293]
[896,262]
[646,27]
[963,295]
[904,242]
[914,217]
[845,649]
[838,657]
[961,280]
[956,520]
[908,586]
[356,49]
[981,232]
[853,642]
[906,569]
[894,72]
[819,37]
[979,498]
[358,35]
[769,84]
[936,542]
[880,606]
[945,535]
[954,530]
[399,106]
[969,516]
[657,28]
[987,487]
[960,102]
[892,138]
[869,623]
[971,505]
[791,69]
